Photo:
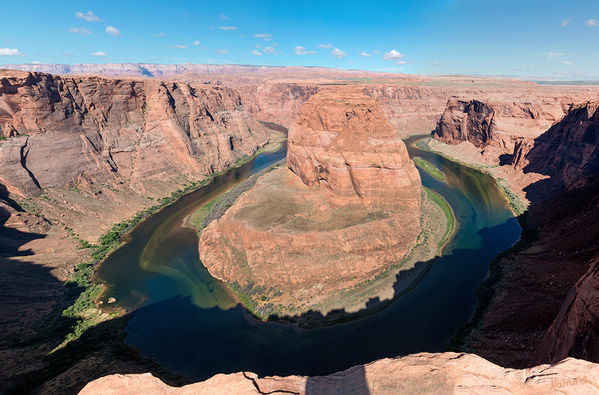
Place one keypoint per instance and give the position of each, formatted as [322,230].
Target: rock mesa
[348,209]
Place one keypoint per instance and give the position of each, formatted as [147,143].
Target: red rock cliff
[569,150]
[343,143]
[118,132]
[547,288]
[498,123]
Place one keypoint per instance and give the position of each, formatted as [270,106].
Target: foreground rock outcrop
[349,210]
[420,373]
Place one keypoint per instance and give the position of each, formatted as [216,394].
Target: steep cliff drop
[93,144]
[348,209]
[538,303]
[495,126]
[118,132]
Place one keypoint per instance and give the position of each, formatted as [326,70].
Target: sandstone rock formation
[277,102]
[343,143]
[350,209]
[150,136]
[420,373]
[546,288]
[574,331]
[411,109]
[498,123]
[569,151]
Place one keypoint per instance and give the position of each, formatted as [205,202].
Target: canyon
[80,152]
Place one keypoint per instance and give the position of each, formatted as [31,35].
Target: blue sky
[549,39]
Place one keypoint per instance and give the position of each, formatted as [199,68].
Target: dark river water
[188,322]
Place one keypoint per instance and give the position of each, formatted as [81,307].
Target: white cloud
[79,30]
[392,55]
[264,36]
[566,22]
[159,34]
[436,63]
[568,63]
[222,51]
[228,28]
[299,50]
[255,53]
[270,50]
[10,52]
[35,62]
[88,16]
[376,52]
[591,22]
[113,31]
[326,46]
[99,53]
[196,43]
[365,54]
[180,46]
[224,17]
[336,52]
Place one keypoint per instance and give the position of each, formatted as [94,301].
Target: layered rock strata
[349,208]
[343,143]
[544,290]
[499,124]
[149,136]
[569,151]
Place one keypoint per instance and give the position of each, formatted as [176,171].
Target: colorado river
[189,323]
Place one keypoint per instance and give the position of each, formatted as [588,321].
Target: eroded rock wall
[343,143]
[544,290]
[137,134]
[496,124]
[569,151]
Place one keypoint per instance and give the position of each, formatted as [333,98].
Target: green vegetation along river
[189,322]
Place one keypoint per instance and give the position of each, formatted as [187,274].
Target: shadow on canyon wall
[534,277]
[32,300]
